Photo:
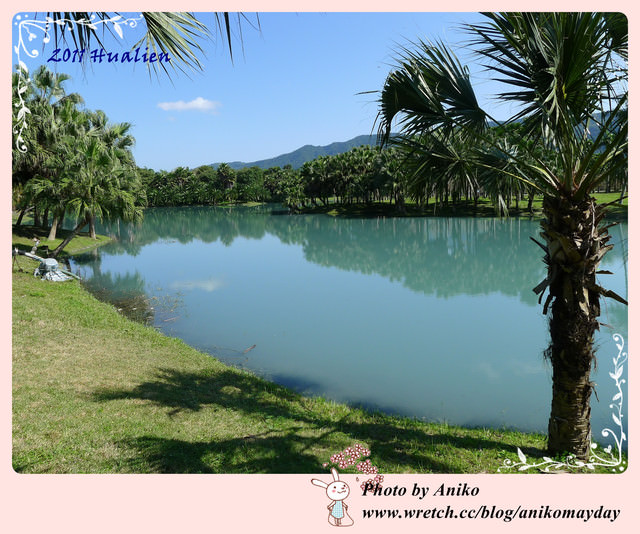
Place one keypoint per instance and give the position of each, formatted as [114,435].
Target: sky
[298,79]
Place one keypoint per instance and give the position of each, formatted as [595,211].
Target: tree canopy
[74,162]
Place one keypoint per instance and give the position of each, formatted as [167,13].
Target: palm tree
[101,179]
[116,142]
[226,180]
[37,171]
[71,123]
[567,75]
[441,166]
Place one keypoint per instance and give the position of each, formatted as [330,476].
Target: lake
[433,318]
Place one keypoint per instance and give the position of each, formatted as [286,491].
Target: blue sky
[293,82]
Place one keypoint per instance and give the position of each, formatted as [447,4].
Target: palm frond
[76,26]
[429,90]
[178,35]
[554,62]
[617,28]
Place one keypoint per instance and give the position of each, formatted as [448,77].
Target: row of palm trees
[363,174]
[74,161]
[443,174]
[204,185]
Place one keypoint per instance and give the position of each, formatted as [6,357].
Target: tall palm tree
[115,141]
[567,75]
[101,179]
[71,124]
[49,108]
[226,179]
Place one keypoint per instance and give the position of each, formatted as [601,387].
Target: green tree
[36,171]
[316,180]
[101,179]
[567,77]
[226,180]
[393,177]
[250,184]
[285,185]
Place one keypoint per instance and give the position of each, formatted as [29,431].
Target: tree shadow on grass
[292,445]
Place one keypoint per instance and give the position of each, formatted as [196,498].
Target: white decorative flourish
[611,459]
[28,30]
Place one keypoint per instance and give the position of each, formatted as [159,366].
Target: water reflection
[438,256]
[429,317]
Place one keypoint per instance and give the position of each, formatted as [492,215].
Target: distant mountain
[299,157]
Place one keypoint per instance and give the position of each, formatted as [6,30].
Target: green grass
[462,208]
[96,393]
[615,210]
[24,235]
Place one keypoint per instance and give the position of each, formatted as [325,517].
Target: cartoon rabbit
[337,491]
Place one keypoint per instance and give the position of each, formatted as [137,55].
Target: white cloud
[197,104]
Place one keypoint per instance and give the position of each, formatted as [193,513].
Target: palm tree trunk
[624,189]
[22,214]
[92,227]
[575,246]
[68,239]
[57,217]
[531,199]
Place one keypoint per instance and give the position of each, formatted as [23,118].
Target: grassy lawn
[96,393]
[463,208]
[23,239]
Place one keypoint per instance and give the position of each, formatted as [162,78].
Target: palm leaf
[548,57]
[603,153]
[82,33]
[176,34]
[430,89]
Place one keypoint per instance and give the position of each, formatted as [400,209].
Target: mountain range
[305,153]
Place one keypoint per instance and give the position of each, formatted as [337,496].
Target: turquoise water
[428,317]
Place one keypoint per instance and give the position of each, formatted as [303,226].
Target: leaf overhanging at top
[177,34]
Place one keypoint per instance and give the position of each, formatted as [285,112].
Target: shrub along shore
[94,392]
[484,207]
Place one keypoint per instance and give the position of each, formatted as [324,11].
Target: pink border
[283,503]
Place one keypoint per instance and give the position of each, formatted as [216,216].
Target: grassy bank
[24,236]
[96,393]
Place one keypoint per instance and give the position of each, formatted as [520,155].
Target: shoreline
[97,392]
[463,208]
